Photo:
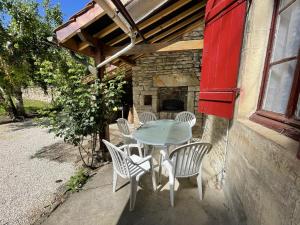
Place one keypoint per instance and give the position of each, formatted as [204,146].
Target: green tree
[23,35]
[81,110]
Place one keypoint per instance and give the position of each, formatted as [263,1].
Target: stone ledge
[284,141]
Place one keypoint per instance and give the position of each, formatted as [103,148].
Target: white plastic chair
[130,167]
[145,117]
[186,161]
[128,140]
[194,139]
[187,117]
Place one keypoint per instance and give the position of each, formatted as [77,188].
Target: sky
[69,7]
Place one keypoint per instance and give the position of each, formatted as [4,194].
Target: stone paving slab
[97,204]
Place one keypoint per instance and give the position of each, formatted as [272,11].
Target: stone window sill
[285,142]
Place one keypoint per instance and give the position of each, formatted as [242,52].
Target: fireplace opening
[172,105]
[172,99]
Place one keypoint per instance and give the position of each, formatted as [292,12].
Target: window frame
[283,123]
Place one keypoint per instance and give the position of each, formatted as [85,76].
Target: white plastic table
[163,133]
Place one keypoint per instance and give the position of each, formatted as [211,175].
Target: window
[279,103]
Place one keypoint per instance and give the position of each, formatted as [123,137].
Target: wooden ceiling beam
[177,27]
[89,41]
[107,30]
[187,29]
[152,20]
[161,47]
[81,21]
[176,19]
[86,37]
[183,46]
[127,60]
[83,45]
[163,13]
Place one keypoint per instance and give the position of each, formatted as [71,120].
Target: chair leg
[199,183]
[146,147]
[140,151]
[172,194]
[159,168]
[133,190]
[115,179]
[128,150]
[153,176]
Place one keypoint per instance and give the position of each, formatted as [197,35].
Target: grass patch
[2,111]
[78,180]
[33,106]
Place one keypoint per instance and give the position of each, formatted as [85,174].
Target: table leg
[163,156]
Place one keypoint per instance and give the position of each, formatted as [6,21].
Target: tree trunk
[103,152]
[19,102]
[103,132]
[9,106]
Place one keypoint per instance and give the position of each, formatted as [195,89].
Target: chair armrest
[134,146]
[122,147]
[164,153]
[145,159]
[128,135]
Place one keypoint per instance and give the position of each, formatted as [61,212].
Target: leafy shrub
[78,180]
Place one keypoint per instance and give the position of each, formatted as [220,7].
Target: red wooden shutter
[223,35]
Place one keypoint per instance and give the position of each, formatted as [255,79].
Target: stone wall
[167,69]
[262,182]
[35,93]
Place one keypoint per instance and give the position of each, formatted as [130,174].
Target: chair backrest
[187,159]
[122,163]
[187,117]
[123,126]
[145,117]
[118,159]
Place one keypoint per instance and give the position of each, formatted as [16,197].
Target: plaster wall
[262,182]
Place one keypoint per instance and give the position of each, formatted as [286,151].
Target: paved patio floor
[97,204]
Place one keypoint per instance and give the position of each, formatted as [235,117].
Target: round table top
[163,132]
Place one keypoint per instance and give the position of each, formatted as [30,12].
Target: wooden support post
[103,134]
[100,57]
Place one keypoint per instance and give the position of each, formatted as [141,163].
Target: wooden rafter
[127,60]
[107,30]
[183,46]
[187,29]
[175,19]
[152,20]
[177,27]
[81,21]
[161,47]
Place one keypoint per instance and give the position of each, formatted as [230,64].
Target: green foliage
[23,42]
[23,38]
[79,109]
[78,180]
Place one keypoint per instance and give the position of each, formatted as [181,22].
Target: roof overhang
[160,21]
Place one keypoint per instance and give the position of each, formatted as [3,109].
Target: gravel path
[27,181]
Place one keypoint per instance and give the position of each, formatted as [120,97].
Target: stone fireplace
[167,83]
[172,99]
